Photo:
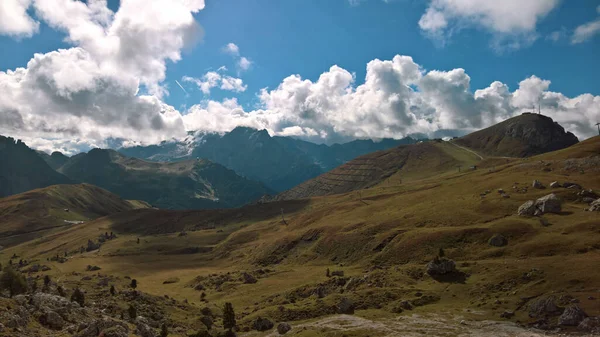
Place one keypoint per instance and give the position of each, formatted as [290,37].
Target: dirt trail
[417,325]
[464,148]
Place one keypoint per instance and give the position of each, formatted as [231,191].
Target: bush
[132,311]
[13,281]
[133,283]
[78,297]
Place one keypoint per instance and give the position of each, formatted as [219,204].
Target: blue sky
[534,42]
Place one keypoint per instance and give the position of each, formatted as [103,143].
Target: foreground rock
[105,327]
[546,204]
[544,307]
[527,209]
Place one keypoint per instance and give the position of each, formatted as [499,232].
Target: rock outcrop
[441,266]
[572,316]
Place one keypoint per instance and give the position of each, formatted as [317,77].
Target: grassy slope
[398,225]
[31,214]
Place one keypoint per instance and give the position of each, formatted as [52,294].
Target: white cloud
[396,99]
[586,31]
[213,79]
[512,22]
[14,20]
[232,49]
[244,64]
[91,91]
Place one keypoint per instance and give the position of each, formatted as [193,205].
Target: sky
[81,74]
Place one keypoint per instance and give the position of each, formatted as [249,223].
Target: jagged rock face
[544,307]
[522,136]
[572,316]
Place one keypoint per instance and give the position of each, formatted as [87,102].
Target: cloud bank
[110,85]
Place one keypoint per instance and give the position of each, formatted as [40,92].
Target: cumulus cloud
[92,90]
[242,62]
[586,31]
[213,79]
[14,20]
[232,49]
[398,98]
[511,22]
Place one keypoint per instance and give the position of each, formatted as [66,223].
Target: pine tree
[327,273]
[13,281]
[164,332]
[228,317]
[133,283]
[112,290]
[132,311]
[46,280]
[441,252]
[78,297]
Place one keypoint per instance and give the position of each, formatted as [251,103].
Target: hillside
[185,184]
[278,162]
[393,165]
[22,169]
[522,136]
[382,243]
[33,213]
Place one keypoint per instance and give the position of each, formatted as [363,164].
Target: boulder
[248,278]
[555,184]
[548,204]
[283,328]
[142,327]
[507,314]
[262,324]
[588,194]
[103,325]
[543,307]
[52,320]
[572,316]
[498,240]
[590,324]
[537,184]
[441,266]
[595,206]
[571,185]
[345,306]
[527,209]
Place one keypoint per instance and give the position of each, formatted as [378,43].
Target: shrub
[132,311]
[13,281]
[133,283]
[78,297]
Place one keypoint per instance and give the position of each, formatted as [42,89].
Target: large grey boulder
[590,324]
[555,184]
[527,209]
[572,316]
[498,240]
[104,325]
[537,184]
[441,266]
[52,320]
[544,307]
[548,204]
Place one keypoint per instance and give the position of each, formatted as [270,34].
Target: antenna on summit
[598,125]
[540,106]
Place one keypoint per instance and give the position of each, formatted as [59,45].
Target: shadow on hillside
[156,221]
[455,277]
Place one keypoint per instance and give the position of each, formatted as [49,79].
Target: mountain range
[278,162]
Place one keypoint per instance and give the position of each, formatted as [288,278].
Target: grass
[384,236]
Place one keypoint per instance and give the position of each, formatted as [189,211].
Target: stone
[52,320]
[544,307]
[99,326]
[544,222]
[507,314]
[590,324]
[248,278]
[283,328]
[345,306]
[339,273]
[498,240]
[527,209]
[555,184]
[572,316]
[587,200]
[537,184]
[262,324]
[441,266]
[115,331]
[595,206]
[501,191]
[571,185]
[588,194]
[143,329]
[549,204]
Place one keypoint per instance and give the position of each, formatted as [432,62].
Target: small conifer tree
[132,311]
[164,331]
[78,296]
[133,283]
[112,290]
[228,317]
[13,281]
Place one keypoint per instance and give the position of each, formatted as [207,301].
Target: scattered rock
[507,314]
[283,328]
[345,306]
[171,280]
[590,324]
[52,320]
[92,268]
[555,184]
[572,316]
[498,240]
[339,273]
[588,194]
[527,209]
[595,206]
[571,185]
[248,278]
[143,328]
[548,204]
[544,307]
[102,326]
[262,324]
[537,184]
[501,191]
[441,266]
